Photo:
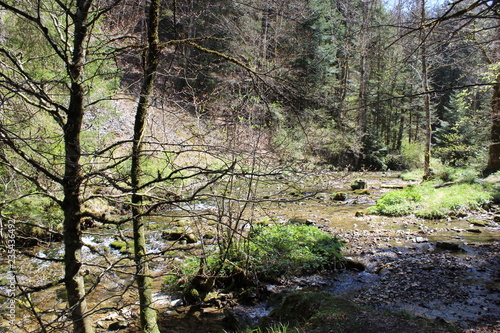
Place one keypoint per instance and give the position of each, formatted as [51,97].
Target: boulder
[340,196]
[478,223]
[179,235]
[358,184]
[353,265]
[450,246]
[237,319]
[119,325]
[300,221]
[364,191]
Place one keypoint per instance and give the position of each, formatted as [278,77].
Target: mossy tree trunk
[72,175]
[143,278]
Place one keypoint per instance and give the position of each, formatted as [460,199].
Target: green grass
[426,201]
[443,174]
[412,175]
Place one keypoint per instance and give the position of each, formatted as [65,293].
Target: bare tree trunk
[147,312]
[363,72]
[73,179]
[494,149]
[425,89]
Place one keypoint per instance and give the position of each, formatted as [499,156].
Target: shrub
[268,253]
[293,249]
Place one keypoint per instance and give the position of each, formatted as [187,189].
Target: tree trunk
[143,278]
[425,89]
[72,178]
[494,149]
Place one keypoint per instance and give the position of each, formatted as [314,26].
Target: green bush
[292,249]
[268,253]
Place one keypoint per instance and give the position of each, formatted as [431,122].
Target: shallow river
[406,270]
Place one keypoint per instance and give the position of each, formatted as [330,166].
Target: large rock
[450,246]
[358,184]
[353,265]
[179,235]
[300,221]
[236,319]
[119,325]
[340,196]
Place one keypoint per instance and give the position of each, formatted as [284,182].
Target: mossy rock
[358,184]
[323,312]
[179,234]
[364,191]
[117,245]
[340,196]
[478,223]
[122,246]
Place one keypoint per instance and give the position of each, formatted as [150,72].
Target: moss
[123,247]
[478,223]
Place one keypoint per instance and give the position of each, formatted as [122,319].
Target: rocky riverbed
[447,270]
[444,270]
[460,285]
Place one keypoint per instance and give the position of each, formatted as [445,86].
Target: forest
[198,122]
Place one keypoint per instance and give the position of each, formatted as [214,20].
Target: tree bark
[143,278]
[494,148]
[72,177]
[425,89]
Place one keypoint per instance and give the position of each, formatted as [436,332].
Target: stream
[440,269]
